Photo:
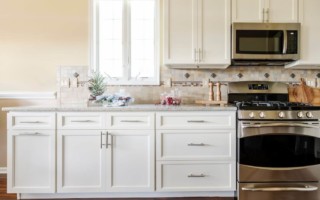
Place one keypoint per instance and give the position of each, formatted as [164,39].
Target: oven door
[278,151]
[279,191]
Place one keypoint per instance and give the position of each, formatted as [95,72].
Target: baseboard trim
[28,95]
[3,170]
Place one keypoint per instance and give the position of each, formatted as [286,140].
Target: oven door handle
[306,188]
[280,125]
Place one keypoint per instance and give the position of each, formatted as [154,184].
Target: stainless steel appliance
[265,43]
[278,143]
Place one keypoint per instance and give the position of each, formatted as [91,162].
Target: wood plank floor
[5,196]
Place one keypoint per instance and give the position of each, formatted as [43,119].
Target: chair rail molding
[28,95]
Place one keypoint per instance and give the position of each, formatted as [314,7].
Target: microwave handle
[285,42]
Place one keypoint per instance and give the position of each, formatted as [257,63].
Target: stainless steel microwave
[265,43]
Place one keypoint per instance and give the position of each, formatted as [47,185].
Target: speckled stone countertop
[132,108]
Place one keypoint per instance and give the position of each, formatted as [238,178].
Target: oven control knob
[251,115]
[262,115]
[281,114]
[300,114]
[309,114]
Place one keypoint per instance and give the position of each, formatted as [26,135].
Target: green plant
[97,84]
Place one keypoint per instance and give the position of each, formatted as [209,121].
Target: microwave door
[285,42]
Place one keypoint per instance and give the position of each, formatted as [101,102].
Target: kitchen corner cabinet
[197,33]
[31,152]
[111,159]
[309,16]
[196,151]
[280,11]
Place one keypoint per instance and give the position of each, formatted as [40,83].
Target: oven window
[279,151]
[259,41]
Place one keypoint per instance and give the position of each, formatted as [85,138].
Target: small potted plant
[97,86]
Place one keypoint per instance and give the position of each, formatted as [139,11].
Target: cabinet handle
[263,12]
[35,133]
[267,13]
[196,176]
[200,55]
[195,121]
[195,55]
[31,122]
[194,144]
[86,121]
[107,140]
[101,134]
[131,121]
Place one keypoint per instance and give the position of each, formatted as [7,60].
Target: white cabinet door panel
[131,164]
[214,31]
[180,29]
[31,161]
[282,11]
[248,10]
[81,161]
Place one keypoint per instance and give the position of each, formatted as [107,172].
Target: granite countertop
[134,107]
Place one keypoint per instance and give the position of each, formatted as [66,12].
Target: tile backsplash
[189,82]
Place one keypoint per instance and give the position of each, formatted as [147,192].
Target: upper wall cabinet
[265,11]
[309,16]
[197,33]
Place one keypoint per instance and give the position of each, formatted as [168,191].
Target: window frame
[94,45]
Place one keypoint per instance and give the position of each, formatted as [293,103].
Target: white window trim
[94,42]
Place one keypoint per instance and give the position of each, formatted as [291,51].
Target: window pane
[142,38]
[110,37]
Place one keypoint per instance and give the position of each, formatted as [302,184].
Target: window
[126,41]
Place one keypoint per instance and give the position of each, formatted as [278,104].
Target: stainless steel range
[278,143]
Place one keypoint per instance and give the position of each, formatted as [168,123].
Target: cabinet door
[248,10]
[282,11]
[81,157]
[132,160]
[214,32]
[180,31]
[31,161]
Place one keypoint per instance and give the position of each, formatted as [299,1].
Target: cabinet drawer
[82,120]
[196,120]
[196,144]
[135,120]
[196,176]
[31,120]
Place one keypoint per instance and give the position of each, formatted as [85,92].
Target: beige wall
[37,36]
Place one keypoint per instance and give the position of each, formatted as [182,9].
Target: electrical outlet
[168,83]
[205,83]
[65,82]
[74,83]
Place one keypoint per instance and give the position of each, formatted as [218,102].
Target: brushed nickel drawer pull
[196,121]
[85,121]
[35,133]
[306,188]
[131,121]
[195,144]
[196,176]
[31,122]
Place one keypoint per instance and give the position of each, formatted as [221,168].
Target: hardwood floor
[5,196]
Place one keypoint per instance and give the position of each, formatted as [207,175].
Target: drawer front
[196,120]
[196,176]
[135,120]
[196,145]
[31,120]
[81,120]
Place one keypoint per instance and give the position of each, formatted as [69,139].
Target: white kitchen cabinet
[197,33]
[81,161]
[196,151]
[106,160]
[131,160]
[276,11]
[31,161]
[309,16]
